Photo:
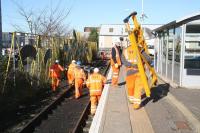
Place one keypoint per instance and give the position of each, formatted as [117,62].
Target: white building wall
[109,33]
[190,81]
[119,30]
[101,42]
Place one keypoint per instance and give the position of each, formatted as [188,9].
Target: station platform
[168,110]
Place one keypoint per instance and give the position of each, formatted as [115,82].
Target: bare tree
[49,21]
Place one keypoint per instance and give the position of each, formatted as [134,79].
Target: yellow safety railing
[139,45]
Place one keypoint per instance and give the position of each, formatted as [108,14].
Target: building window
[170,44]
[177,46]
[164,52]
[110,29]
[192,39]
[170,53]
[126,30]
[192,48]
[177,54]
[193,28]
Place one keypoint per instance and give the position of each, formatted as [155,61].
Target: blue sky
[96,12]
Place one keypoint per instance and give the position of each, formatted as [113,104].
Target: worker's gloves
[135,66]
[116,65]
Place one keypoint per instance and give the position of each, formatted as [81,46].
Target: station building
[177,52]
[111,32]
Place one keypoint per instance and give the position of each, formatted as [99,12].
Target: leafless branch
[50,21]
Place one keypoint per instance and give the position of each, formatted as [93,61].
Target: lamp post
[143,15]
[0,30]
[30,27]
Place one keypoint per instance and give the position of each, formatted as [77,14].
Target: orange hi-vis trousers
[78,87]
[94,101]
[54,83]
[134,86]
[115,75]
[70,77]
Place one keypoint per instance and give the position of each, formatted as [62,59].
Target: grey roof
[178,22]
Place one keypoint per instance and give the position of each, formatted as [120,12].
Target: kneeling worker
[80,78]
[95,83]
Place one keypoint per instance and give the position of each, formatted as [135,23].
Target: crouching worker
[80,78]
[95,83]
[55,74]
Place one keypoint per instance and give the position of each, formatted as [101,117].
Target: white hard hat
[96,70]
[73,61]
[57,61]
[116,41]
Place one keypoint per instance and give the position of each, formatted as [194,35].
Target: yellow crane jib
[138,43]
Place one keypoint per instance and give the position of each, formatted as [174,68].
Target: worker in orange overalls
[115,62]
[133,79]
[70,72]
[55,71]
[95,83]
[80,78]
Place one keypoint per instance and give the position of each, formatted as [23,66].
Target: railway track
[85,120]
[64,114]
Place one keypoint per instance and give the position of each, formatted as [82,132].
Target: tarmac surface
[168,110]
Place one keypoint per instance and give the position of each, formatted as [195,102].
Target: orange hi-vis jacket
[131,57]
[117,57]
[71,68]
[55,70]
[79,74]
[95,84]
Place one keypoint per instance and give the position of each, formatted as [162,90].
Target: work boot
[92,113]
[130,101]
[69,83]
[136,106]
[77,97]
[53,88]
[114,85]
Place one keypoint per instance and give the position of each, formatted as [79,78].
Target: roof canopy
[176,23]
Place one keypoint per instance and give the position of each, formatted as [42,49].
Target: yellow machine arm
[139,45]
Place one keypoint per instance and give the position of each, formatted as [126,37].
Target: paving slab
[159,113]
[166,118]
[190,98]
[140,121]
[116,113]
[187,102]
